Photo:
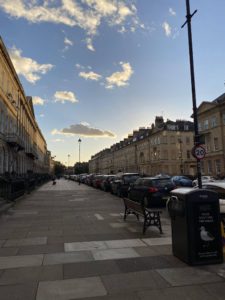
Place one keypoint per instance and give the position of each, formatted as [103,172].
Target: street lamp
[79,141]
[68,160]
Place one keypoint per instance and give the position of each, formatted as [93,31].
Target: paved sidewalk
[69,241]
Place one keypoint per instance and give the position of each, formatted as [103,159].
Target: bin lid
[182,191]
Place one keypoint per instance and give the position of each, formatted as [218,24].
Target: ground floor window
[217,166]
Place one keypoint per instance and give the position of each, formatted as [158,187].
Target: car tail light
[152,190]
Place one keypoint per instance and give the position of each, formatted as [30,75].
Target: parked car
[153,191]
[182,181]
[121,184]
[105,184]
[97,181]
[204,180]
[216,186]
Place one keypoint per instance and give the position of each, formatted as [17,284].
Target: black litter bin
[195,222]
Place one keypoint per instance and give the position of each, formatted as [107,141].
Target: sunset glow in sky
[99,69]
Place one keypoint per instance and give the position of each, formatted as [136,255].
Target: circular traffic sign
[198,152]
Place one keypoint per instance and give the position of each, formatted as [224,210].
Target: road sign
[198,152]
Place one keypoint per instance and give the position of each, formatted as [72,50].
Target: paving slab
[184,293]
[114,253]
[53,248]
[90,268]
[158,241]
[85,246]
[70,289]
[134,281]
[31,274]
[71,257]
[215,290]
[188,276]
[142,264]
[2,243]
[26,241]
[128,243]
[18,292]
[9,262]
[9,251]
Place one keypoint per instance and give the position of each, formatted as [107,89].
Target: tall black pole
[196,137]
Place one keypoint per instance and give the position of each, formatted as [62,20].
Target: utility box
[196,229]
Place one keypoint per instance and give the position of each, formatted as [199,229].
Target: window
[209,167]
[216,143]
[224,118]
[199,126]
[187,140]
[186,127]
[172,139]
[206,124]
[217,166]
[213,122]
[165,154]
[3,77]
[188,154]
[164,139]
[173,154]
[202,166]
[207,143]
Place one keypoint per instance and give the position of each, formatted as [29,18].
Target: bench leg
[125,214]
[153,219]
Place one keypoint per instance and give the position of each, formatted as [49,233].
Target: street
[69,241]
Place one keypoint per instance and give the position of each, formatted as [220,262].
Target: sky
[99,69]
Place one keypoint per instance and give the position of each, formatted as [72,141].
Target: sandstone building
[163,148]
[22,145]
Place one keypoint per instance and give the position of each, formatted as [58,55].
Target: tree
[59,168]
[80,168]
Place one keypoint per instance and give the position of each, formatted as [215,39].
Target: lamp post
[79,142]
[196,138]
[68,160]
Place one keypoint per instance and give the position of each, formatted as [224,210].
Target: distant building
[22,145]
[163,148]
[211,121]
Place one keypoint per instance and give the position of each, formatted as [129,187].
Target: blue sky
[99,69]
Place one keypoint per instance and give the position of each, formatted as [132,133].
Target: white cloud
[86,14]
[84,129]
[90,75]
[89,44]
[167,29]
[41,115]
[58,141]
[28,67]
[120,78]
[62,96]
[38,101]
[172,12]
[78,66]
[68,42]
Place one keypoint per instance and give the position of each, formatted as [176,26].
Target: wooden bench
[151,216]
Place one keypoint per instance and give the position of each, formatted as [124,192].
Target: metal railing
[12,187]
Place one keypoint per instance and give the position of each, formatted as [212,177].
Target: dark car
[182,181]
[121,184]
[97,181]
[105,183]
[152,191]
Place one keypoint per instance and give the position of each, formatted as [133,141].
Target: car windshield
[130,178]
[161,182]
